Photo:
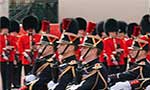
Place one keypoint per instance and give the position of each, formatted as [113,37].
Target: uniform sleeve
[88,84]
[64,80]
[96,81]
[128,75]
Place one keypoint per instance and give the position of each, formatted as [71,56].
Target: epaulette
[97,66]
[99,75]
[49,60]
[72,62]
[68,68]
[142,63]
[85,64]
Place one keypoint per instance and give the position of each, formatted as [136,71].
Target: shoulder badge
[142,63]
[72,62]
[97,66]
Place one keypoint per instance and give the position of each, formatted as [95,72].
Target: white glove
[114,60]
[40,50]
[148,87]
[5,56]
[121,86]
[51,85]
[30,78]
[74,87]
[27,57]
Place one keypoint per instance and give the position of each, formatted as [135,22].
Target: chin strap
[65,49]
[82,57]
[40,54]
[61,55]
[137,54]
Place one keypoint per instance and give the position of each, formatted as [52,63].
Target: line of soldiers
[10,64]
[79,55]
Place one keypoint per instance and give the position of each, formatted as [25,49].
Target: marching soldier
[141,67]
[66,50]
[89,30]
[132,33]
[114,47]
[6,53]
[81,32]
[16,76]
[45,68]
[122,25]
[26,43]
[102,35]
[93,73]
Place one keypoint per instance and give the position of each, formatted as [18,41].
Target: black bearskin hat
[4,22]
[14,26]
[111,25]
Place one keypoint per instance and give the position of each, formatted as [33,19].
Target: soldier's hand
[80,67]
[5,56]
[73,62]
[121,86]
[112,79]
[8,48]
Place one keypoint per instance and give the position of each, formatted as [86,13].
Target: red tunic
[110,46]
[24,44]
[12,42]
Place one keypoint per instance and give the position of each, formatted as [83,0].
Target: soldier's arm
[140,83]
[128,75]
[96,80]
[88,83]
[64,81]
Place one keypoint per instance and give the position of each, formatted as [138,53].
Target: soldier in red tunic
[139,70]
[103,35]
[5,50]
[27,43]
[114,48]
[81,32]
[17,66]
